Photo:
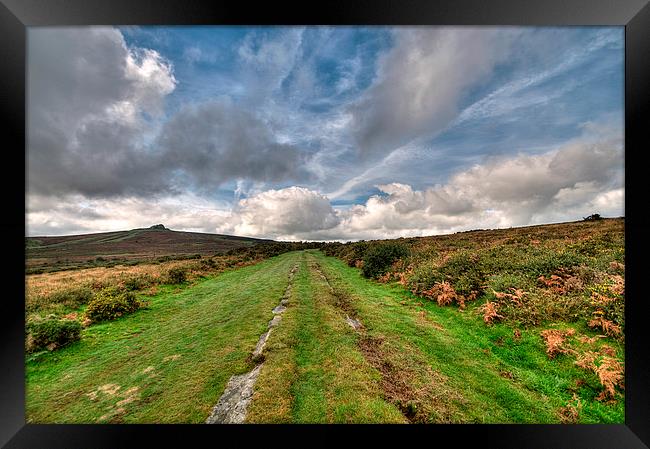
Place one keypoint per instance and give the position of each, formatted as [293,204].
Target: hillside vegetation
[46,254]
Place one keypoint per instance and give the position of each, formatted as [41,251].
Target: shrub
[466,272]
[535,307]
[177,275]
[111,303]
[378,258]
[138,282]
[549,262]
[72,297]
[51,333]
[354,252]
[424,276]
[208,264]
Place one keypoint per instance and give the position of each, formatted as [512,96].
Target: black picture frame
[16,15]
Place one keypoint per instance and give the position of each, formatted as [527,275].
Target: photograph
[324,224]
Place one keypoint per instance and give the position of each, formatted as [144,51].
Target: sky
[322,133]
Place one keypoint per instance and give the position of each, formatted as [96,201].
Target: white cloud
[286,214]
[518,94]
[269,58]
[567,183]
[152,78]
[577,179]
[71,214]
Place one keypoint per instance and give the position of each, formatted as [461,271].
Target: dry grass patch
[608,369]
[609,327]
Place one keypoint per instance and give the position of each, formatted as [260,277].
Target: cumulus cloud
[88,95]
[577,179]
[76,214]
[108,150]
[421,81]
[93,102]
[580,177]
[289,213]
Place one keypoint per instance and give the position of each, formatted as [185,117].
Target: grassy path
[166,364]
[408,362]
[314,372]
[411,362]
[403,366]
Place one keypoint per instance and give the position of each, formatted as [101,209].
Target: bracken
[554,340]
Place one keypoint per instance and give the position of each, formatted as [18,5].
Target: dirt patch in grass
[341,299]
[410,384]
[407,381]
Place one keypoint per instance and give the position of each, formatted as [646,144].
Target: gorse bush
[177,275]
[51,333]
[72,297]
[424,276]
[466,271]
[355,252]
[378,258]
[111,303]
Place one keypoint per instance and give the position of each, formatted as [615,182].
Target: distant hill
[136,244]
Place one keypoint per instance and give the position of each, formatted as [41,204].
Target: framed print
[238,219]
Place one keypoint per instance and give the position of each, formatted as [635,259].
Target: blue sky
[323,132]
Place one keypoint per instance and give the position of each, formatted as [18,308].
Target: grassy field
[407,359]
[167,363]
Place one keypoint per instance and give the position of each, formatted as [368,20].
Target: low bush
[208,264]
[111,303]
[424,277]
[138,282]
[549,262]
[378,258]
[355,252]
[536,307]
[51,333]
[72,297]
[465,271]
[177,275]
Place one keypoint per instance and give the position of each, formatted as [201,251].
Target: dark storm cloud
[220,141]
[86,95]
[92,103]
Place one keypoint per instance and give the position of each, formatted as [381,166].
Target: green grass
[179,353]
[413,360]
[472,356]
[314,372]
